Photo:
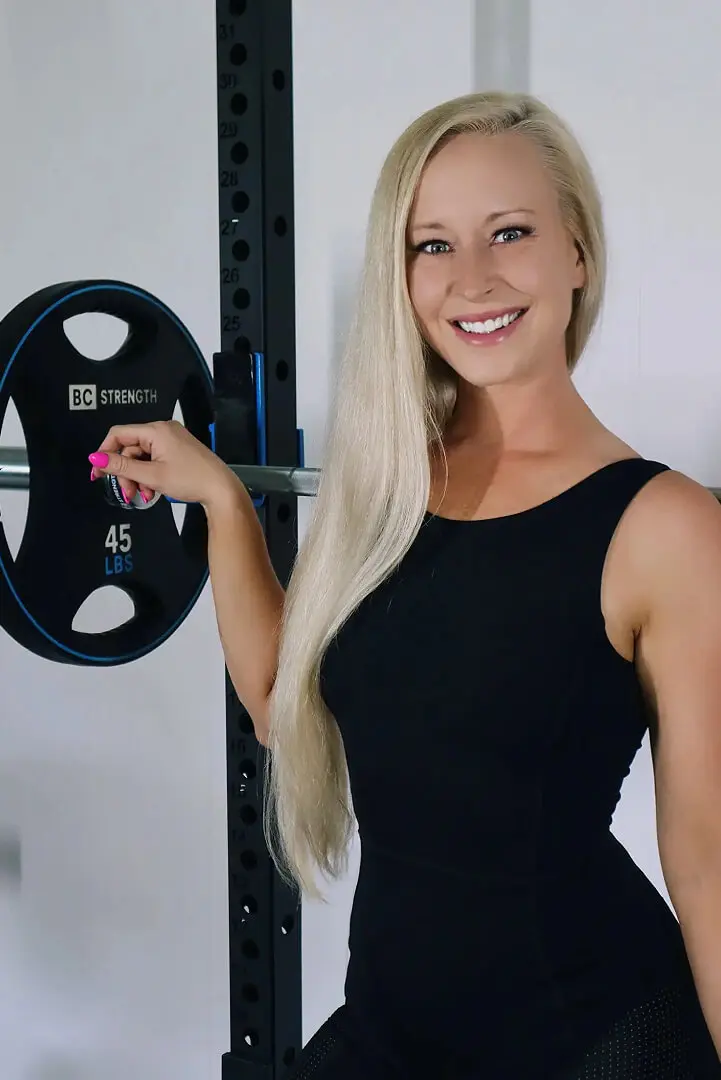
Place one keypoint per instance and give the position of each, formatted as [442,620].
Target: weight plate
[74,541]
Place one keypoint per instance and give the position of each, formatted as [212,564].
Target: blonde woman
[496,599]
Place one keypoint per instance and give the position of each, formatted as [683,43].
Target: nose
[474,273]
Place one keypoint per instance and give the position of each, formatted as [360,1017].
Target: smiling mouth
[490,326]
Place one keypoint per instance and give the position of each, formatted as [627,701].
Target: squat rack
[257,294]
[257,358]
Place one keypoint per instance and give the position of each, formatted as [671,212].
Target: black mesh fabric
[662,1039]
[329,1055]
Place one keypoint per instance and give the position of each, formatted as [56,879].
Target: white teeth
[489,325]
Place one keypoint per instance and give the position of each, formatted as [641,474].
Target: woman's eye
[512,229]
[433,247]
[511,234]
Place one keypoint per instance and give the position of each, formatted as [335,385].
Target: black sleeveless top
[488,724]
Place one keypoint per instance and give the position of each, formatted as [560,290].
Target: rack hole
[239,153]
[247,769]
[279,79]
[249,904]
[241,250]
[239,104]
[249,860]
[281,371]
[237,7]
[280,226]
[241,299]
[238,55]
[244,721]
[241,202]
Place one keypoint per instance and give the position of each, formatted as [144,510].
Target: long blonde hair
[391,403]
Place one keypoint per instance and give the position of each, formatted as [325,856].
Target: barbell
[259,479]
[78,536]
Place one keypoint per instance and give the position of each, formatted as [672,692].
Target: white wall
[641,85]
[114,950]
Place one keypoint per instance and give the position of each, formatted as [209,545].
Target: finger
[122,436]
[126,468]
[135,452]
[146,493]
[129,488]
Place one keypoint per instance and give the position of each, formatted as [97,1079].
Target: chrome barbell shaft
[261,479]
[14,468]
[275,479]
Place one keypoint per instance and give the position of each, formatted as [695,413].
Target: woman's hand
[163,457]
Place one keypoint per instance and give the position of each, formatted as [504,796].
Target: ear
[579,270]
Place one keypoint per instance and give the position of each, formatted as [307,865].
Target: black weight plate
[74,541]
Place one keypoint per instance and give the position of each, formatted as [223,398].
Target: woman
[495,599]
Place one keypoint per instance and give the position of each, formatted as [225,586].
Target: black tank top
[488,724]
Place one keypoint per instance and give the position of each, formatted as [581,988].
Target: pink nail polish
[92,474]
[100,459]
[144,497]
[125,495]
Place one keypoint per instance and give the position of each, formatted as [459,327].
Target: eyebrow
[491,217]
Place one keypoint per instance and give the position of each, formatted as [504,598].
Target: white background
[114,944]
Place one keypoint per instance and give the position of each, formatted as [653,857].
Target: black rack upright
[257,290]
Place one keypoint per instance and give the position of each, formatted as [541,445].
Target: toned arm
[248,602]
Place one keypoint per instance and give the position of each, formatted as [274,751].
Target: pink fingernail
[92,474]
[100,459]
[125,495]
[144,497]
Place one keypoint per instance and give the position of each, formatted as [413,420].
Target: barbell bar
[259,479]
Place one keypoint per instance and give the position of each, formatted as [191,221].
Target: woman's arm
[248,601]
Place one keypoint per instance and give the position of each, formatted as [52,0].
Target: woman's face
[486,240]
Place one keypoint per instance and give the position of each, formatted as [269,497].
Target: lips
[476,317]
[488,338]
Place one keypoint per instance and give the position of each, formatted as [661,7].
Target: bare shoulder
[672,509]
[669,540]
